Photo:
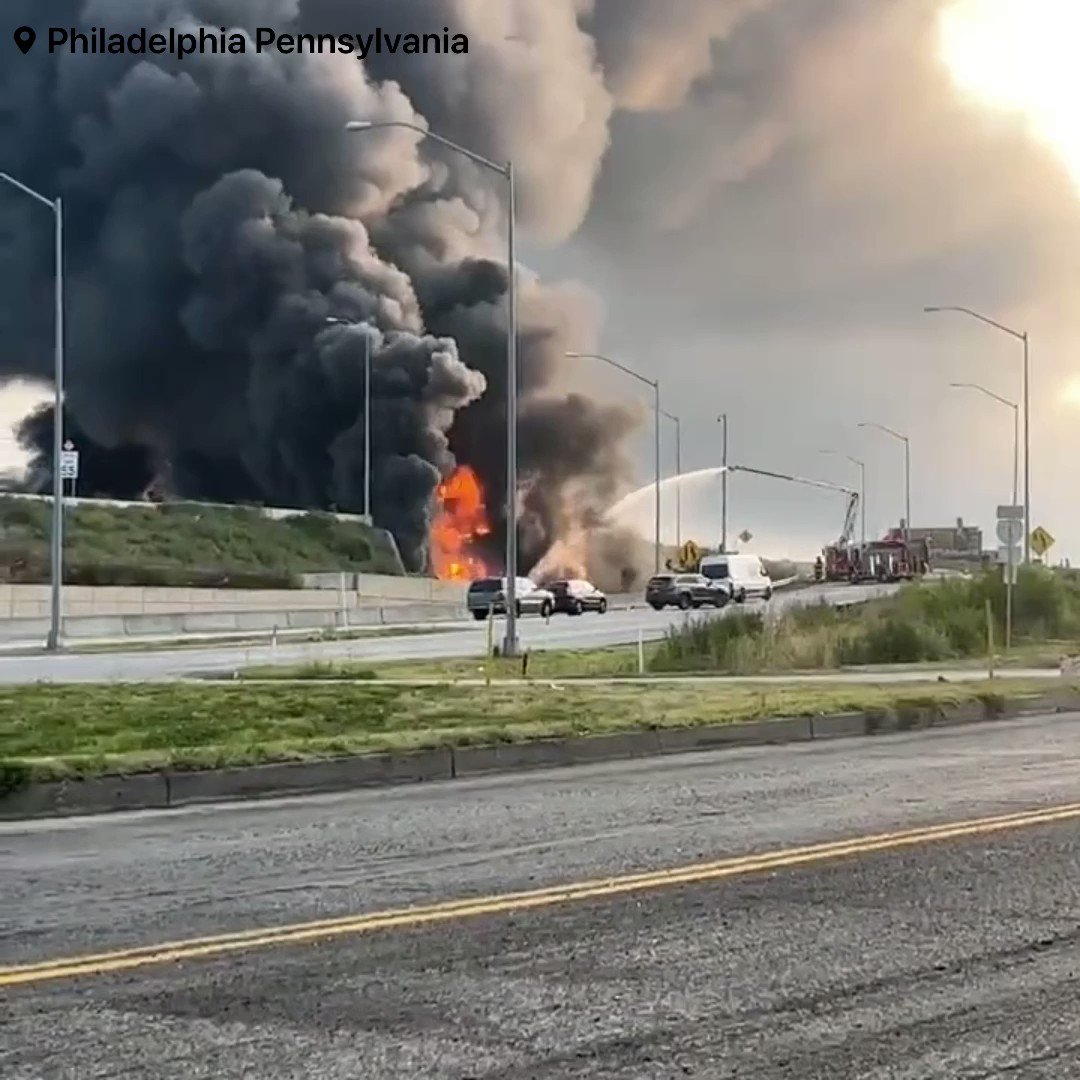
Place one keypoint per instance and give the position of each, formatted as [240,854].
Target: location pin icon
[25,38]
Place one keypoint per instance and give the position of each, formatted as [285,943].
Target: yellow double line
[301,933]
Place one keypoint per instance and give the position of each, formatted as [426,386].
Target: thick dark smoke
[219,214]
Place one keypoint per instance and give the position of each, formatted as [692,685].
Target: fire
[460,520]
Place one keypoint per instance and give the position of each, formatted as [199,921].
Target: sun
[1020,56]
[1070,395]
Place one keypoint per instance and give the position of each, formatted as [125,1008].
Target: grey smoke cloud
[654,53]
[765,193]
[220,213]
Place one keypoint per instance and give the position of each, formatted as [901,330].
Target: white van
[745,574]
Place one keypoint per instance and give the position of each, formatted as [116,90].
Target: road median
[72,750]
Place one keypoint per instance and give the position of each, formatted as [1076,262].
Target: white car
[745,574]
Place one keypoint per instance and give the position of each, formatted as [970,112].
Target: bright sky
[1020,56]
[16,400]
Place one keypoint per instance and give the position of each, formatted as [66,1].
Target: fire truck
[889,560]
[895,558]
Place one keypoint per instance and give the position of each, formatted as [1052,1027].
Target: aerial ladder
[838,556]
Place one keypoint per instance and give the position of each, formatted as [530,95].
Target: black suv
[685,591]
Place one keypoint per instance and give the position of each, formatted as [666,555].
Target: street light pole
[367,428]
[1021,336]
[1015,483]
[1027,449]
[367,411]
[510,641]
[678,474]
[655,384]
[907,473]
[56,205]
[722,418]
[862,488]
[1016,427]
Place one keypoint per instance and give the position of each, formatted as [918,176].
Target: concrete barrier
[754,733]
[257,621]
[365,590]
[382,587]
[840,726]
[98,626]
[119,627]
[309,777]
[97,795]
[552,753]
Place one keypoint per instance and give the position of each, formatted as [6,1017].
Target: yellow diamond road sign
[1041,541]
[689,554]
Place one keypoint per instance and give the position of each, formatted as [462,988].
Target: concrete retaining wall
[108,627]
[417,589]
[32,601]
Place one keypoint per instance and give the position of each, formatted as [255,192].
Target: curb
[171,788]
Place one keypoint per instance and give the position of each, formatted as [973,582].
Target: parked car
[685,591]
[745,574]
[489,595]
[576,596]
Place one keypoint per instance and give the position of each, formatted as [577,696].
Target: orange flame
[461,519]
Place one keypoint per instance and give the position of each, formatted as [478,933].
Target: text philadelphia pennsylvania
[206,42]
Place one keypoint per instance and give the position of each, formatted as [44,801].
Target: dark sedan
[576,597]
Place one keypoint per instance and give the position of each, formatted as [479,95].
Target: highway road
[469,639]
[899,908]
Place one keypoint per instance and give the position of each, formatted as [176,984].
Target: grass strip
[613,661]
[50,732]
[617,662]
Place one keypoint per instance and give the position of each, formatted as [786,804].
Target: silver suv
[489,595]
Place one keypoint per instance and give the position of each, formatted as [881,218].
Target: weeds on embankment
[931,621]
[183,544]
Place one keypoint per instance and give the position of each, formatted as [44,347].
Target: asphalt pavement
[468,639]
[516,945]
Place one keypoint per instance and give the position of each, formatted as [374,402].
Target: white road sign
[1010,524]
[1010,531]
[69,464]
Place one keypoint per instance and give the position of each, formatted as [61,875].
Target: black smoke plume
[218,215]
